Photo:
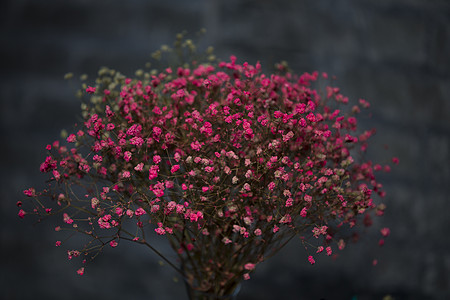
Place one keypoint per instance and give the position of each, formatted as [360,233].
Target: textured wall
[394,53]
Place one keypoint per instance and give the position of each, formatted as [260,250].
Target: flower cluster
[227,162]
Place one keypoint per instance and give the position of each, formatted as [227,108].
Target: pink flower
[153,172]
[249,266]
[307,198]
[90,90]
[97,158]
[72,138]
[127,156]
[30,192]
[246,276]
[140,211]
[160,231]
[196,145]
[139,167]
[289,202]
[67,219]
[94,202]
[174,168]
[311,260]
[119,211]
[113,244]
[275,228]
[21,213]
[341,244]
[303,212]
[156,159]
[226,241]
[385,231]
[80,271]
[58,243]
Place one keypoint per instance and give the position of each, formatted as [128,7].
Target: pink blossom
[174,168]
[113,244]
[341,244]
[275,228]
[307,198]
[103,224]
[255,149]
[153,172]
[30,192]
[209,169]
[80,271]
[196,145]
[56,175]
[21,213]
[286,219]
[67,219]
[226,241]
[303,212]
[94,202]
[119,211]
[160,231]
[289,202]
[71,138]
[90,90]
[140,211]
[127,156]
[97,158]
[385,231]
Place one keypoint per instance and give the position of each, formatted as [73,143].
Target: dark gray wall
[394,53]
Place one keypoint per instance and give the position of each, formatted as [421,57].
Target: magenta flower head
[216,156]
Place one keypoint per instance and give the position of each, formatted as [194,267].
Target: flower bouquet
[227,162]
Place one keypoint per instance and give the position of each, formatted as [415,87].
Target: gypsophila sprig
[225,161]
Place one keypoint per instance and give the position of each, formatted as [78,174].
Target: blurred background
[393,53]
